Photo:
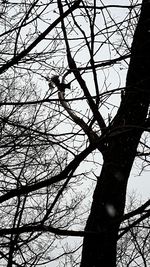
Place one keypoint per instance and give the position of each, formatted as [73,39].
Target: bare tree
[133,244]
[71,128]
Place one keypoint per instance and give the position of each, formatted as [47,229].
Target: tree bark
[121,138]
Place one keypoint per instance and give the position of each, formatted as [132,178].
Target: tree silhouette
[71,129]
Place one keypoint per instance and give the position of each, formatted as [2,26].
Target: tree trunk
[122,139]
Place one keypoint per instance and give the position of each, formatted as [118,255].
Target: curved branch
[74,69]
[91,134]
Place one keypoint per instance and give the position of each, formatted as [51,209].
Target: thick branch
[54,179]
[91,134]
